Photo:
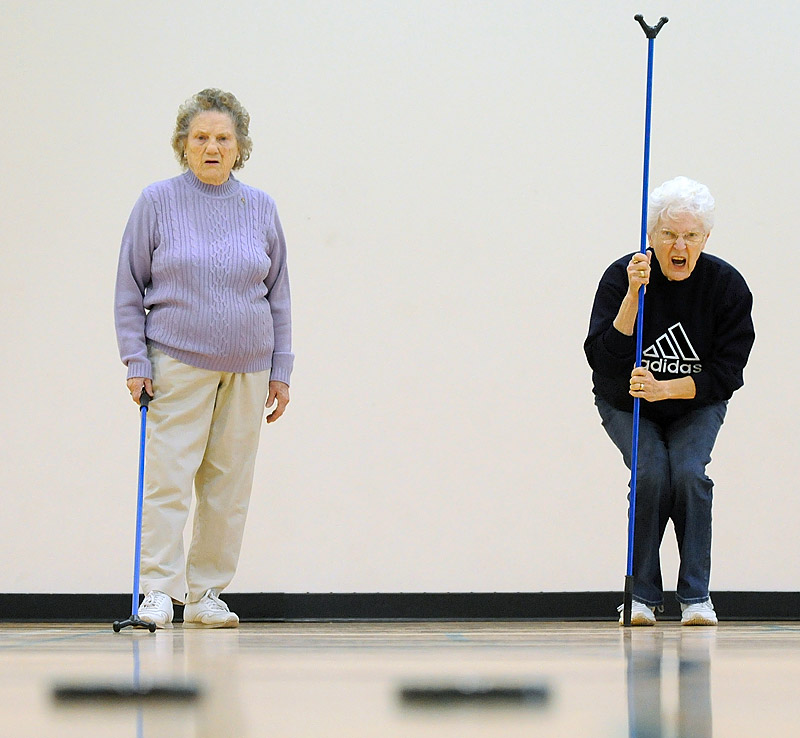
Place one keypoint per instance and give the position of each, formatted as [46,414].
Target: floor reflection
[340,680]
[208,657]
[645,664]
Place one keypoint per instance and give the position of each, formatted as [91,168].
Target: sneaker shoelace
[634,605]
[154,599]
[214,602]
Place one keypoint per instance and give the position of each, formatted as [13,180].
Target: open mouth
[679,261]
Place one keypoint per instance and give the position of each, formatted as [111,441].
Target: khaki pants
[202,429]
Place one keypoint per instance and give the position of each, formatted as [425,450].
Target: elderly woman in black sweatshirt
[697,337]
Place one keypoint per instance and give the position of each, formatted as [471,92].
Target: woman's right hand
[638,272]
[135,385]
[638,276]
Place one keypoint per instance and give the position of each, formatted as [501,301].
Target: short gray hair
[213,99]
[677,196]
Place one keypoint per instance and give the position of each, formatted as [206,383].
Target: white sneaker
[156,608]
[700,613]
[641,614]
[209,612]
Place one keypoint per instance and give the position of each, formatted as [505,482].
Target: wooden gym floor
[344,679]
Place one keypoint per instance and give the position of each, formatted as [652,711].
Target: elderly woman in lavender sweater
[203,322]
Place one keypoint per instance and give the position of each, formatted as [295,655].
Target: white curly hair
[678,196]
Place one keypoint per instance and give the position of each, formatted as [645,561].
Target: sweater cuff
[140,369]
[282,365]
[617,343]
[702,386]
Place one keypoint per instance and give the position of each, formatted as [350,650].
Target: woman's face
[211,146]
[678,243]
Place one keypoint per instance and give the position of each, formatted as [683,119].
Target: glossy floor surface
[346,679]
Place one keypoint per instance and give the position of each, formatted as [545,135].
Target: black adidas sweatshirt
[700,326]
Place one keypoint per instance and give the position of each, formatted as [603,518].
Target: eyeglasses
[693,238]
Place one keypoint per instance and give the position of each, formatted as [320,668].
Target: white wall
[453,177]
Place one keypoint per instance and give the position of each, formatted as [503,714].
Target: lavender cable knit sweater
[202,276]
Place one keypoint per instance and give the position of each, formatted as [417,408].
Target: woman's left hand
[278,392]
[645,386]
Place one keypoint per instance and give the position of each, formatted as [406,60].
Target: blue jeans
[671,483]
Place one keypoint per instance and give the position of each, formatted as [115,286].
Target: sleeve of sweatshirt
[133,278]
[280,303]
[609,352]
[733,338]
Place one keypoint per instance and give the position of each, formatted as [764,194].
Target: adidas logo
[672,353]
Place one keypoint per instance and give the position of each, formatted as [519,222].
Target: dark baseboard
[424,606]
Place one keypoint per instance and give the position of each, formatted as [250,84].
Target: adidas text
[671,367]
